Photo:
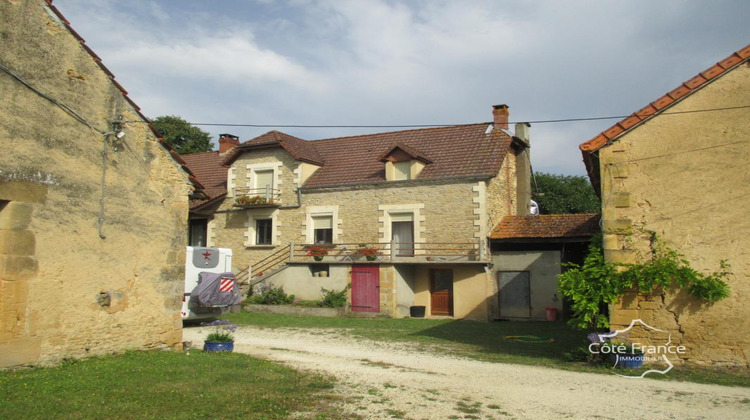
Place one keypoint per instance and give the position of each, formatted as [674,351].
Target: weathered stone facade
[92,226]
[683,176]
[445,210]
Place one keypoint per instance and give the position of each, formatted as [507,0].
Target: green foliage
[565,194]
[333,298]
[589,286]
[273,296]
[222,331]
[182,136]
[598,283]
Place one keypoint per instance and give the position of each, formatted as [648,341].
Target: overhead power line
[562,120]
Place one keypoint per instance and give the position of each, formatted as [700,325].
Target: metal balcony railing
[389,252]
[257,197]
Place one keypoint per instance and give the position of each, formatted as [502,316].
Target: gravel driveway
[389,380]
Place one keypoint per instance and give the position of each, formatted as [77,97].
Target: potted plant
[221,338]
[622,353]
[255,200]
[369,252]
[317,252]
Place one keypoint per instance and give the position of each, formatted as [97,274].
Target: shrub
[333,298]
[598,283]
[273,296]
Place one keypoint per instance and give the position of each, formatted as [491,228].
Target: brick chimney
[227,142]
[500,116]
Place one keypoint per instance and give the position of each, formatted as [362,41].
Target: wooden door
[441,292]
[514,294]
[365,288]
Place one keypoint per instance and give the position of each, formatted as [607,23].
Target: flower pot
[316,258]
[211,346]
[370,257]
[627,360]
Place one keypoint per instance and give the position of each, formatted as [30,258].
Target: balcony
[372,253]
[431,252]
[257,197]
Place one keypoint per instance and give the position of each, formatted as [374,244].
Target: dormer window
[401,170]
[403,163]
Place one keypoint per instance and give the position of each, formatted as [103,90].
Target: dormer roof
[300,149]
[407,150]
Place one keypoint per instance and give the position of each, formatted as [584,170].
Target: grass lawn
[486,341]
[165,385]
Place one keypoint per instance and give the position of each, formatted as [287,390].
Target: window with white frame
[322,229]
[263,180]
[262,228]
[263,231]
[322,225]
[402,170]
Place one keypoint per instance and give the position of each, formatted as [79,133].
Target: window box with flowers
[369,252]
[317,252]
[253,201]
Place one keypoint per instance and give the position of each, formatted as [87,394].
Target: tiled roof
[302,150]
[455,151]
[665,101]
[137,109]
[547,226]
[208,169]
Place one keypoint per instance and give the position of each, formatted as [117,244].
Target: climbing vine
[597,283]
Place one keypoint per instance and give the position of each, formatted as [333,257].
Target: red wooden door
[441,292]
[365,288]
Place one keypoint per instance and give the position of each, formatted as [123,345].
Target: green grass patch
[158,385]
[484,341]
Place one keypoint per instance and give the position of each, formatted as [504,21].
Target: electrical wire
[679,152]
[61,105]
[82,120]
[563,120]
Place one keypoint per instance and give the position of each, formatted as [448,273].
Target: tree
[565,194]
[182,136]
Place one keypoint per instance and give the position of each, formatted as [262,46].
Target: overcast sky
[380,62]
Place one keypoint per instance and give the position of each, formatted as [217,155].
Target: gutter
[401,183]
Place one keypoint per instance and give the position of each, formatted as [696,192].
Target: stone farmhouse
[678,169]
[93,205]
[402,217]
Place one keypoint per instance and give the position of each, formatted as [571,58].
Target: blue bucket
[215,346]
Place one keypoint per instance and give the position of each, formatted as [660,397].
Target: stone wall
[444,213]
[92,228]
[685,177]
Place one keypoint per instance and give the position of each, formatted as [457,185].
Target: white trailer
[197,260]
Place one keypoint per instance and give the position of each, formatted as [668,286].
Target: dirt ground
[387,380]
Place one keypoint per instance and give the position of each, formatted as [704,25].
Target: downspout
[489,291]
[299,202]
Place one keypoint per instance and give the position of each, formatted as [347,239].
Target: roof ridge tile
[670,98]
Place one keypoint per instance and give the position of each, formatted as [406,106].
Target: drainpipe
[299,202]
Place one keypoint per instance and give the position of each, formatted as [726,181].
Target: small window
[263,232]
[402,170]
[198,229]
[323,229]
